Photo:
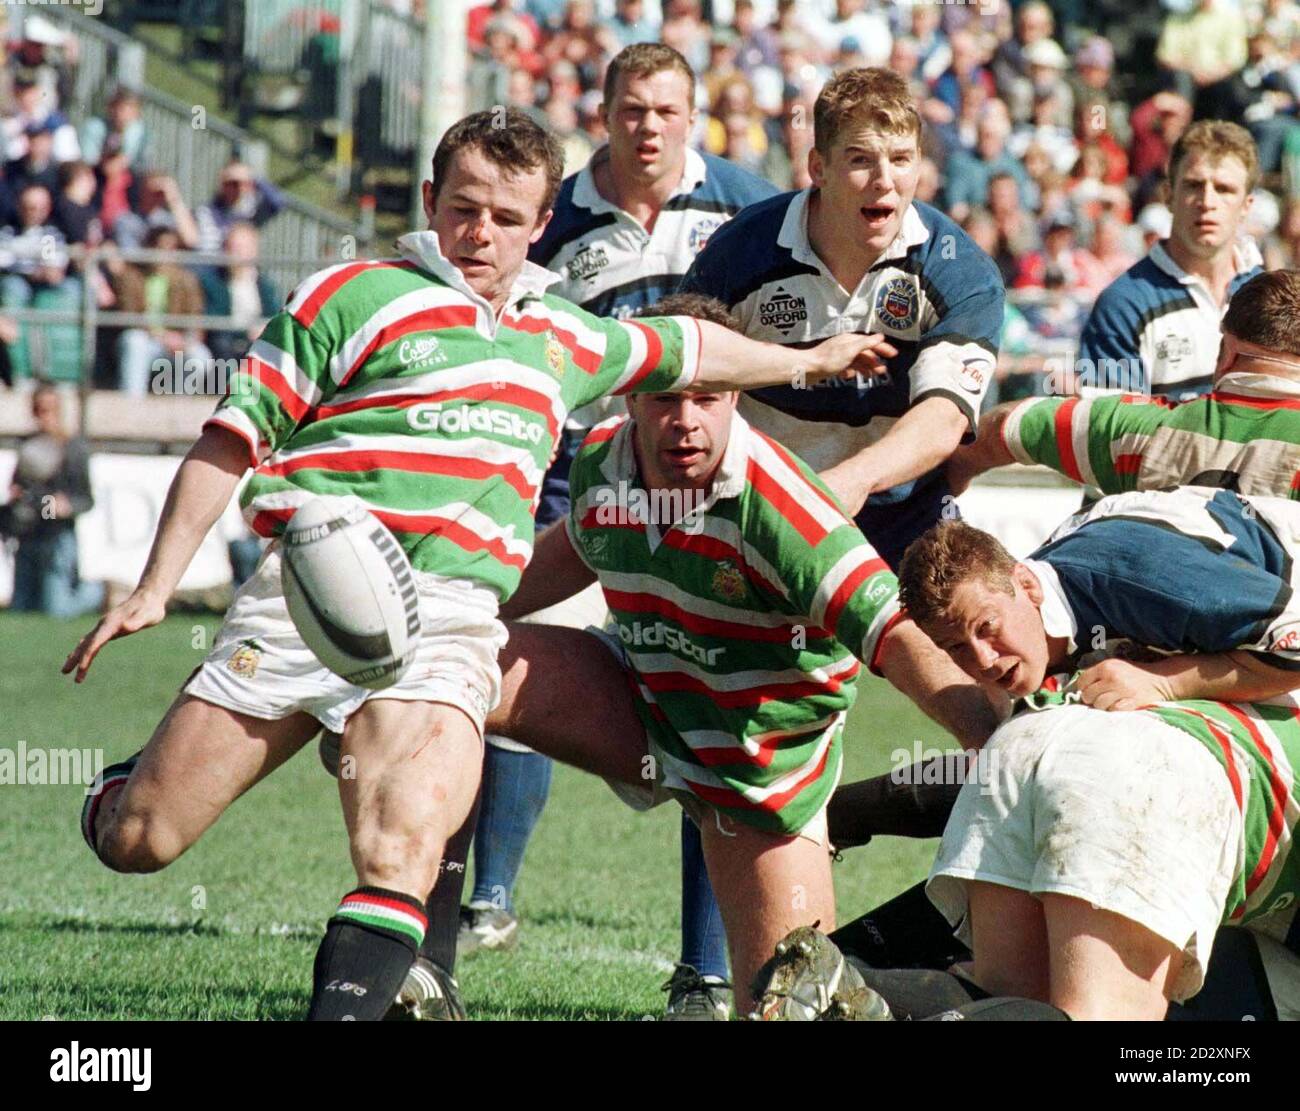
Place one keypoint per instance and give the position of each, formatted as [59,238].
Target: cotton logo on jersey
[462,419]
[421,352]
[587,263]
[782,311]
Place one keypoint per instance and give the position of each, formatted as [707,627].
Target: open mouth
[1009,677]
[877,215]
[684,456]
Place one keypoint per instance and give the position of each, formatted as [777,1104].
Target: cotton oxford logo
[782,311]
[423,351]
[587,263]
[467,420]
[896,304]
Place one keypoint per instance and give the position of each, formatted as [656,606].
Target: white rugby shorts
[260,666]
[1118,809]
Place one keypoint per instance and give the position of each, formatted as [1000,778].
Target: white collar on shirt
[794,233]
[1245,256]
[423,249]
[1058,618]
[586,195]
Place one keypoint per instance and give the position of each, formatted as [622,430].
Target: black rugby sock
[443,905]
[369,946]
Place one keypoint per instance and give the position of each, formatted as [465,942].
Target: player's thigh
[1008,941]
[199,760]
[408,775]
[764,880]
[1105,966]
[567,695]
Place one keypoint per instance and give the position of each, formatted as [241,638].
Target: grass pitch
[229,930]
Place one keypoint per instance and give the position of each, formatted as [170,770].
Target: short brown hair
[1218,139]
[944,557]
[1266,311]
[507,138]
[699,305]
[870,95]
[645,59]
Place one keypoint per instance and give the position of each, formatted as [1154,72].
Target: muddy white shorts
[260,666]
[1118,809]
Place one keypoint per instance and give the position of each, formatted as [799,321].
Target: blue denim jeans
[46,578]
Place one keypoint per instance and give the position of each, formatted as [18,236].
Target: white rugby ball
[350,591]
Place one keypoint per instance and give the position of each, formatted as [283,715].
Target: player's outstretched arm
[198,496]
[730,361]
[915,665]
[920,440]
[555,572]
[988,451]
[1219,676]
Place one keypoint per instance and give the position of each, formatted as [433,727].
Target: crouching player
[1090,870]
[742,602]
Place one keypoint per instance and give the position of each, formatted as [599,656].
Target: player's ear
[1227,354]
[426,194]
[816,166]
[540,227]
[1028,582]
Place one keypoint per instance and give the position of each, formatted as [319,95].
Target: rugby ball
[350,591]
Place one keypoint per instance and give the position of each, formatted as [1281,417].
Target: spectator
[1047,65]
[1157,124]
[34,107]
[1094,65]
[1090,196]
[239,290]
[931,42]
[758,44]
[969,173]
[239,196]
[561,116]
[631,23]
[1156,222]
[868,29]
[34,269]
[1034,23]
[1268,102]
[155,289]
[724,49]
[1202,48]
[582,42]
[1092,128]
[49,490]
[1017,233]
[37,166]
[966,69]
[120,128]
[157,203]
[735,98]
[50,56]
[684,31]
[481,17]
[75,212]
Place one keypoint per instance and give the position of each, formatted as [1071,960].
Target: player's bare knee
[400,861]
[137,844]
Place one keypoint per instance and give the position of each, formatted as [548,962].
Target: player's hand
[847,483]
[1121,685]
[849,355]
[138,612]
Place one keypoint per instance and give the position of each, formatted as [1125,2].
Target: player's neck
[640,198]
[847,261]
[1216,270]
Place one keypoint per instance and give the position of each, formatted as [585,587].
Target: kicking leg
[416,775]
[200,759]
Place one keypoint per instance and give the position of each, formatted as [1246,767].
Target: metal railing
[193,146]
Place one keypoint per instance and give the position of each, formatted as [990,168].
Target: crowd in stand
[100,185]
[1048,148]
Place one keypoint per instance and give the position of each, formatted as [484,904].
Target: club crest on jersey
[896,304]
[1173,348]
[698,238]
[782,311]
[245,659]
[587,263]
[729,582]
[555,354]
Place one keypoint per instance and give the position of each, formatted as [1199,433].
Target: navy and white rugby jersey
[1156,329]
[1189,570]
[611,266]
[933,293]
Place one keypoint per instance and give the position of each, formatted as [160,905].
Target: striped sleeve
[832,575]
[1097,440]
[281,379]
[654,354]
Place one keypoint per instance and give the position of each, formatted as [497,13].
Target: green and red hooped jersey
[392,381]
[743,624]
